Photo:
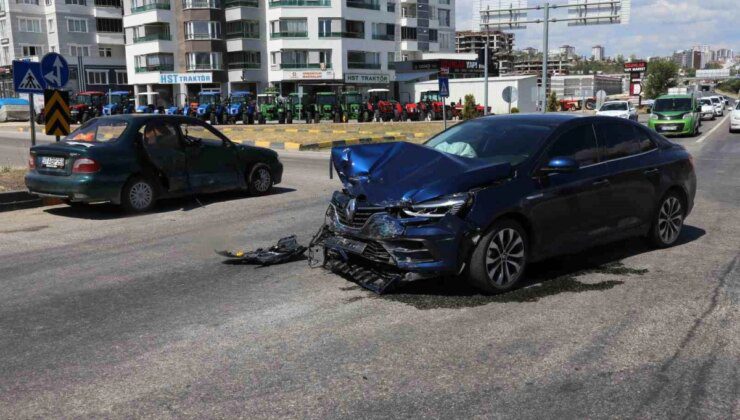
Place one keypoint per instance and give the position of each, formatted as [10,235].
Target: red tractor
[380,107]
[576,104]
[429,107]
[87,105]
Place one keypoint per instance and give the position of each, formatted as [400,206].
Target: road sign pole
[545,47]
[485,75]
[444,112]
[33,119]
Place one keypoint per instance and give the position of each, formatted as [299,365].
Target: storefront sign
[308,75]
[368,79]
[185,78]
[635,66]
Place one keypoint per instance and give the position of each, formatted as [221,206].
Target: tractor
[119,102]
[240,108]
[327,107]
[210,107]
[271,108]
[86,105]
[298,105]
[429,107]
[352,106]
[381,108]
[148,106]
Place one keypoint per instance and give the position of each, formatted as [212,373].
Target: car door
[568,211]
[212,161]
[632,159]
[164,152]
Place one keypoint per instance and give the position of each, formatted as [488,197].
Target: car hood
[612,113]
[388,174]
[671,113]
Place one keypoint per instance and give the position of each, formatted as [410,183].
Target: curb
[16,200]
[323,145]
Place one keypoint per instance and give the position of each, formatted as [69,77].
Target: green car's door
[165,153]
[212,161]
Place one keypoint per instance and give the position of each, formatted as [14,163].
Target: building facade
[177,48]
[500,47]
[88,33]
[597,53]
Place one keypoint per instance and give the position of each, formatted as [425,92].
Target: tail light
[85,166]
[31,162]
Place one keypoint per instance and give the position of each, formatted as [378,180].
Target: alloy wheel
[505,257]
[140,195]
[670,220]
[262,180]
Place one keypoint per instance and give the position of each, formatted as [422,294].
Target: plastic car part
[286,250]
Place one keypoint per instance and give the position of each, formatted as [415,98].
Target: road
[103,315]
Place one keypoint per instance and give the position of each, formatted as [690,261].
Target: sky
[656,28]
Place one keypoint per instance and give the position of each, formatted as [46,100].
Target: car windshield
[98,131]
[84,99]
[380,95]
[706,102]
[116,99]
[715,100]
[353,98]
[672,104]
[614,106]
[492,139]
[430,96]
[326,99]
[737,106]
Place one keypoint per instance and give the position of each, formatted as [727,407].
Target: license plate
[355,247]
[669,128]
[52,162]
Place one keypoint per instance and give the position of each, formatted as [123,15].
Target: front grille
[375,251]
[361,215]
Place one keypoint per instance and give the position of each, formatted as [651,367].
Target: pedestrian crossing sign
[27,77]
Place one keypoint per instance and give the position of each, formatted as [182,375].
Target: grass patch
[11,179]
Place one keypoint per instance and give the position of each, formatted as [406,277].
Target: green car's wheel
[138,195]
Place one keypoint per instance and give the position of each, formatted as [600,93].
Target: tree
[469,111]
[660,75]
[713,66]
[552,102]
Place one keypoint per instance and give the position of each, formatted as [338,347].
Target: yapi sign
[185,78]
[635,67]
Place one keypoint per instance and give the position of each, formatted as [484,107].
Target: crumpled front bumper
[421,247]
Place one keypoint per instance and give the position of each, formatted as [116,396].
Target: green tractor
[297,105]
[352,106]
[328,107]
[271,108]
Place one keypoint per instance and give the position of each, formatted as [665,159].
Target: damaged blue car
[487,197]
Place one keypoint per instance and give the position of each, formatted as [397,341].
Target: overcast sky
[657,28]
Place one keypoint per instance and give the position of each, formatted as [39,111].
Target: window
[79,50]
[32,50]
[384,31]
[578,143]
[161,135]
[52,27]
[391,7]
[3,28]
[29,25]
[49,2]
[243,59]
[643,138]
[408,33]
[97,77]
[108,3]
[243,29]
[202,133]
[98,130]
[204,61]
[433,35]
[325,27]
[444,17]
[109,25]
[289,27]
[105,51]
[36,2]
[202,29]
[77,2]
[618,140]
[121,77]
[77,25]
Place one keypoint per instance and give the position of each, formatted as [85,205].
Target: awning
[413,76]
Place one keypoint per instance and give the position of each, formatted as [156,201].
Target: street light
[512,14]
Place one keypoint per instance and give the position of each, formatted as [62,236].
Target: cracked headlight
[448,204]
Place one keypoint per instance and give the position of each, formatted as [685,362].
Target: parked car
[619,109]
[676,115]
[488,196]
[735,118]
[134,160]
[719,105]
[707,109]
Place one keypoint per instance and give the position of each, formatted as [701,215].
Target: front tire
[500,258]
[668,221]
[138,195]
[260,180]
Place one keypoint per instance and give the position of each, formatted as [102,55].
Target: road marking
[719,124]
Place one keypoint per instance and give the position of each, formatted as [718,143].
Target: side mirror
[560,165]
[698,108]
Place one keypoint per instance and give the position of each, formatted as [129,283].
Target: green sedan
[134,160]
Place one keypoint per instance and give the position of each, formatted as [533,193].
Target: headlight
[653,117]
[625,115]
[687,115]
[449,204]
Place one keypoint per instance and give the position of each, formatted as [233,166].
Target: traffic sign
[55,70]
[27,77]
[600,98]
[510,94]
[444,87]
[56,112]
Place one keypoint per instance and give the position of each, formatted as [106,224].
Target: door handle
[651,171]
[601,182]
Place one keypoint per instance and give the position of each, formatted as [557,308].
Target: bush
[552,102]
[514,110]
[469,111]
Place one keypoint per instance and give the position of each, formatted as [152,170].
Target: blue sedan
[489,196]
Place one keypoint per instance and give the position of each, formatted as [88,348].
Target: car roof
[120,92]
[551,118]
[676,96]
[144,118]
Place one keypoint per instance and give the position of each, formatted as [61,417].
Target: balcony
[201,4]
[301,66]
[364,4]
[242,35]
[201,37]
[359,65]
[355,35]
[300,3]
[283,35]
[158,5]
[152,37]
[384,37]
[155,67]
[242,3]
[243,65]
[204,67]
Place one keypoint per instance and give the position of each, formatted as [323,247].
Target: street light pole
[485,72]
[545,47]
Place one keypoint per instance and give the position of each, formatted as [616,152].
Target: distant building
[500,47]
[567,52]
[724,54]
[585,86]
[597,52]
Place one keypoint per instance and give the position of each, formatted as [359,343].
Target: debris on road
[286,250]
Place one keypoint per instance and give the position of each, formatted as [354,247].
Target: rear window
[98,131]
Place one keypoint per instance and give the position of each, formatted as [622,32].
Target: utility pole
[545,50]
[485,71]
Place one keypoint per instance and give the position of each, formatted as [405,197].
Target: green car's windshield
[492,140]
[98,131]
[672,104]
[326,99]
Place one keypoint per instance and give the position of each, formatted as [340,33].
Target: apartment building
[88,33]
[177,48]
[500,48]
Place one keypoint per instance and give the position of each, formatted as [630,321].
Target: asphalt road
[103,315]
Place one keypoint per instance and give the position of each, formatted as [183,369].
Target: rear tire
[500,258]
[668,220]
[260,180]
[139,195]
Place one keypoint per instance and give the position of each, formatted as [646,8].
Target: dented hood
[392,173]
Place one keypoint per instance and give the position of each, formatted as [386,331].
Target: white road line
[719,124]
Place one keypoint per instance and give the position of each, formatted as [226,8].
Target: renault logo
[349,211]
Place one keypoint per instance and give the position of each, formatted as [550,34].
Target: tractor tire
[212,119]
[422,116]
[365,116]
[281,118]
[336,117]
[376,116]
[84,117]
[404,116]
[289,118]
[396,116]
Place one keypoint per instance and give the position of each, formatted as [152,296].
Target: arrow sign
[56,112]
[55,70]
